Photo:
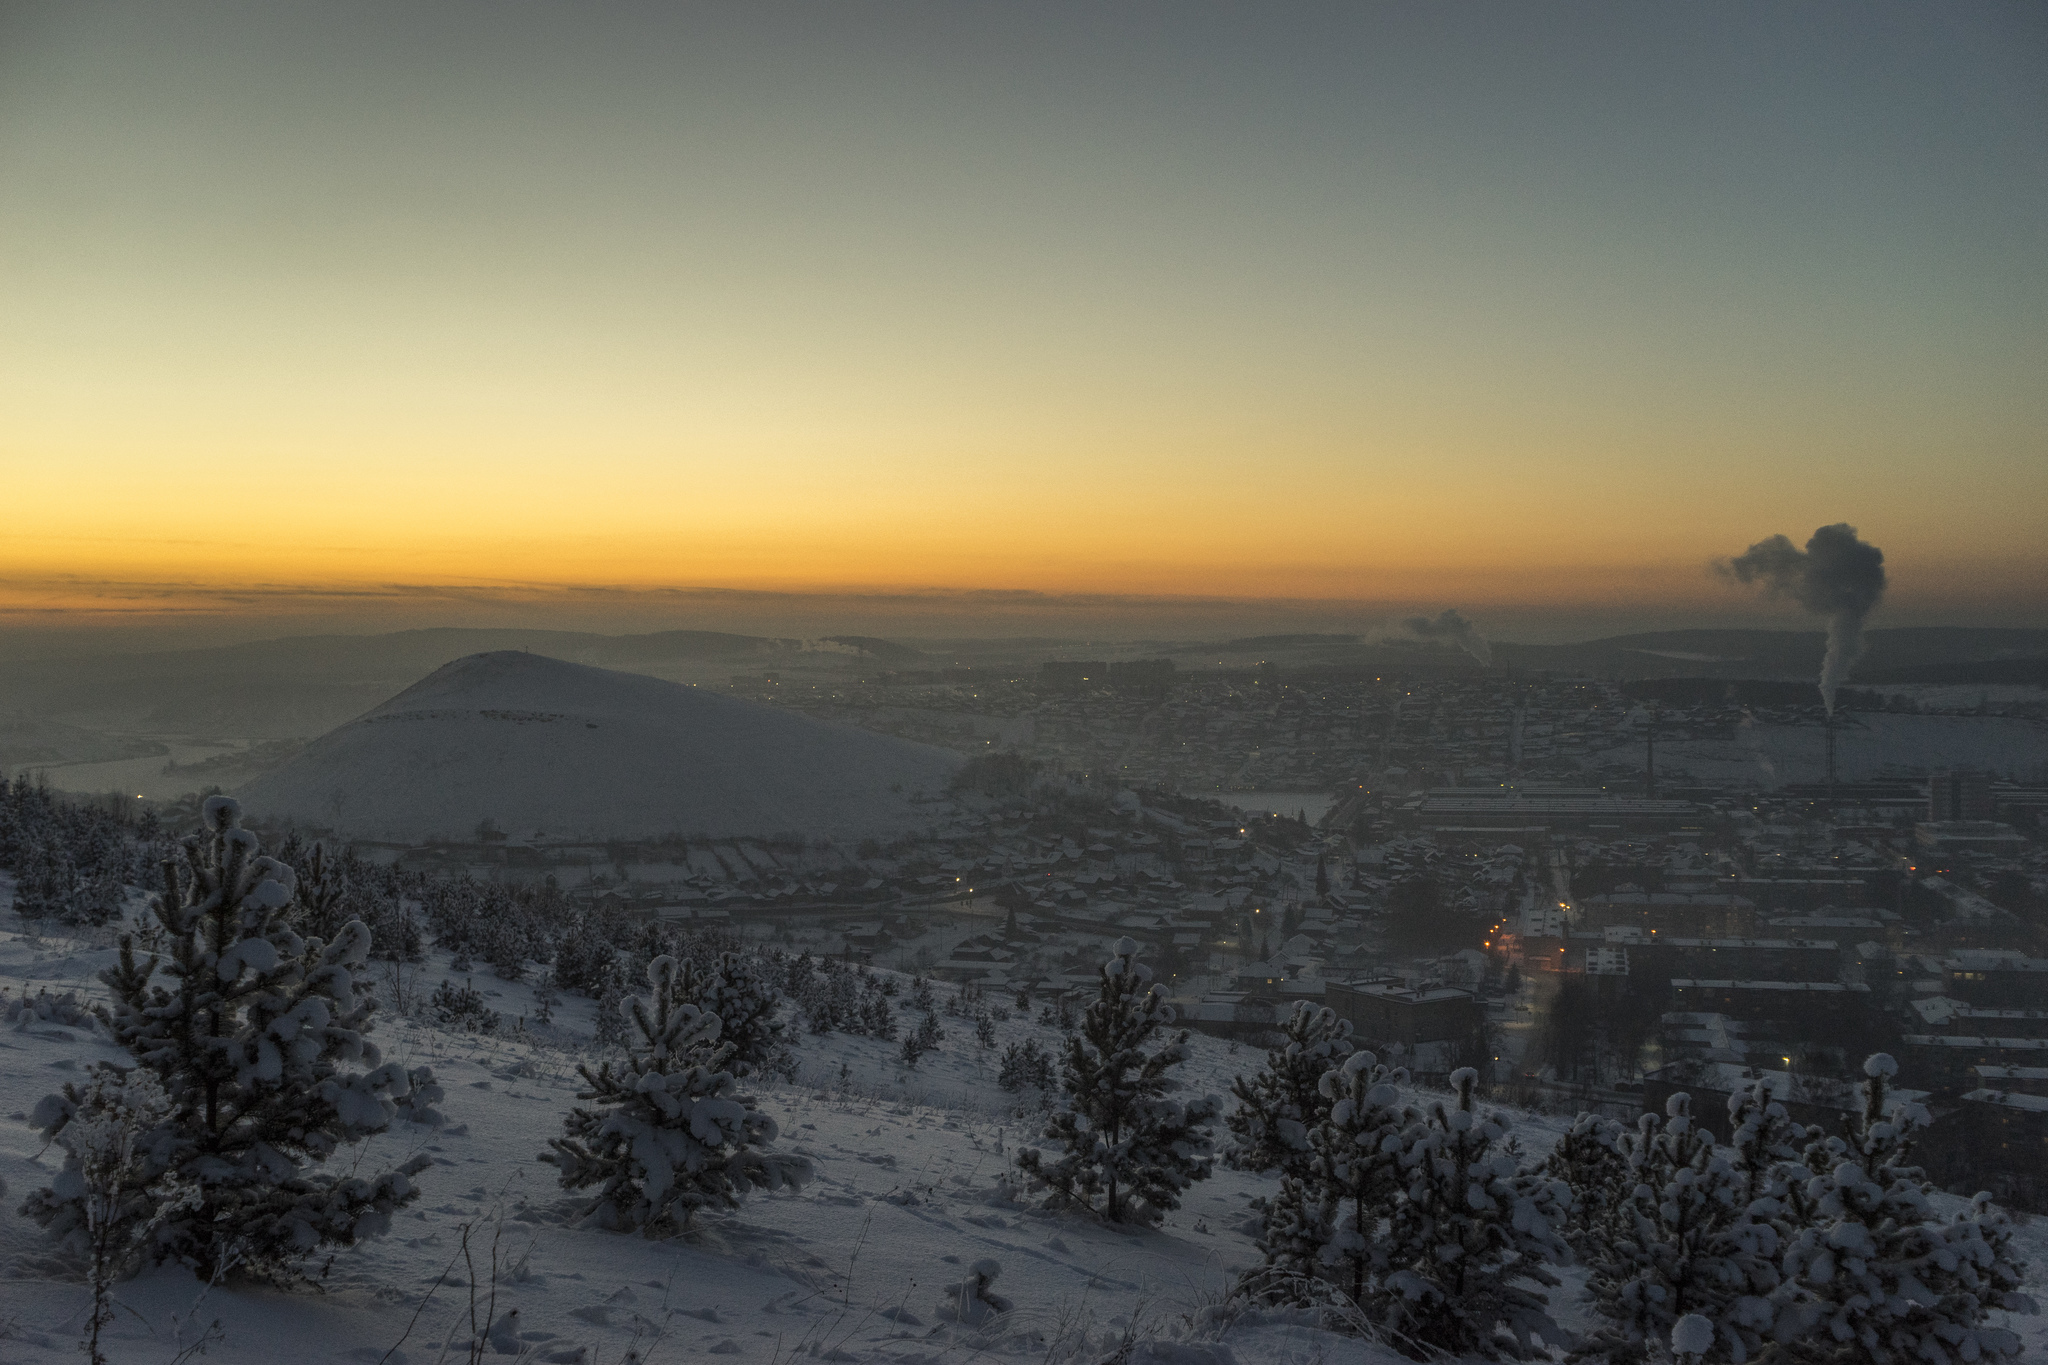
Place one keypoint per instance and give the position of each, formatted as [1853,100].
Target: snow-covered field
[909,1192]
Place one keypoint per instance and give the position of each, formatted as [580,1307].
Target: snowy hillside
[538,745]
[908,1195]
[913,1191]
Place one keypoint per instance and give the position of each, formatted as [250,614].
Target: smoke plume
[1837,576]
[1453,627]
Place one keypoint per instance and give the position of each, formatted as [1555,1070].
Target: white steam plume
[1837,576]
[1452,626]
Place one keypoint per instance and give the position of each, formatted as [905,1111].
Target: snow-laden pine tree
[1280,1106]
[1357,1168]
[1681,1238]
[827,998]
[1876,1274]
[251,1032]
[1469,1245]
[1292,1238]
[669,1134]
[1764,1137]
[1124,1146]
[747,1005]
[1588,1160]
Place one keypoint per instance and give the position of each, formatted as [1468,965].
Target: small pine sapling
[670,1133]
[877,1020]
[462,1006]
[545,998]
[1025,1064]
[1126,1148]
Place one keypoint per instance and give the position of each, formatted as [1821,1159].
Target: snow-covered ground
[909,1192]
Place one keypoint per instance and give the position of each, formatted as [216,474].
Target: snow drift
[537,745]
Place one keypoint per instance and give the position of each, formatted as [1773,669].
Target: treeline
[72,859]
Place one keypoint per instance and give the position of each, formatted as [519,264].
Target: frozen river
[144,777]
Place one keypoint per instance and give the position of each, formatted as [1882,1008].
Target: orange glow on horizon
[315,305]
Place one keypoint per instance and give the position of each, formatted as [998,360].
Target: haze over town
[1191,685]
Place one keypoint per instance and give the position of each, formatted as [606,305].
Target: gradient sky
[1484,304]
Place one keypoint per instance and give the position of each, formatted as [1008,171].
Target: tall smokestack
[1451,625]
[1831,757]
[1393,724]
[1837,576]
[1650,755]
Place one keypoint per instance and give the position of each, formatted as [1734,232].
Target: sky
[386,312]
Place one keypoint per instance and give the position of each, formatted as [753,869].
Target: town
[1495,874]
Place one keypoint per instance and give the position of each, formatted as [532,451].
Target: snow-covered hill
[539,745]
[910,1191]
